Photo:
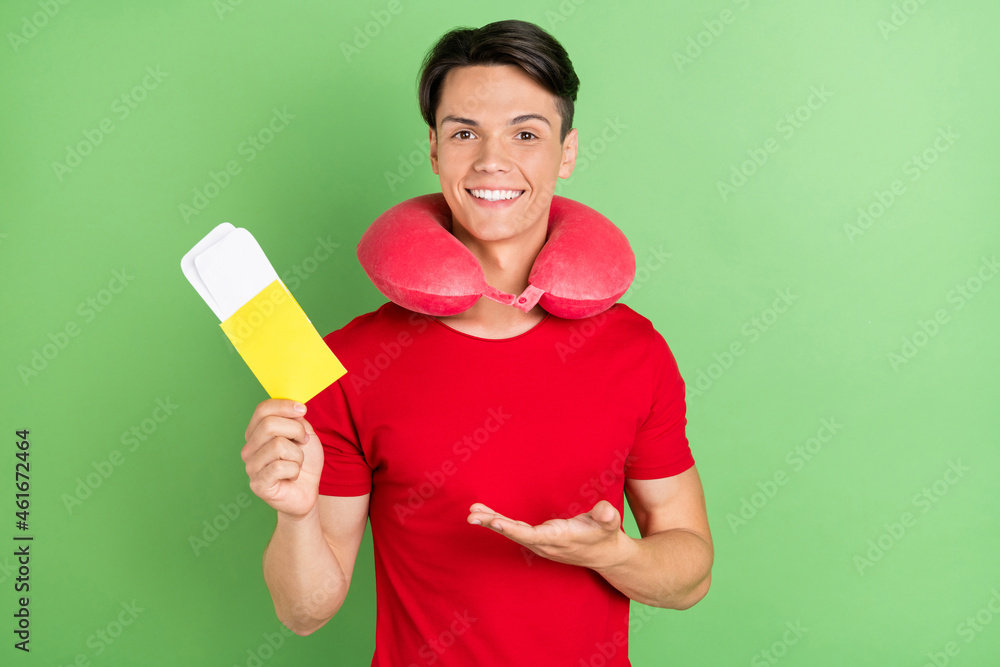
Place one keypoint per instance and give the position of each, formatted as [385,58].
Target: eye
[460,132]
[531,135]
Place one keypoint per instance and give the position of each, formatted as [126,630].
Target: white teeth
[496,195]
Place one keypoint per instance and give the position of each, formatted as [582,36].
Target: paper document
[259,315]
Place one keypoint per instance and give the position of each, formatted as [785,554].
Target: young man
[491,455]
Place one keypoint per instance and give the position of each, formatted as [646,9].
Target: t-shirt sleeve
[661,446]
[345,470]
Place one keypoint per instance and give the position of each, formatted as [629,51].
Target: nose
[492,156]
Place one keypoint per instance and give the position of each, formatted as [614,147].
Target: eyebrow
[514,121]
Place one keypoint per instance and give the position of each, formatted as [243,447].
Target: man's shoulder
[385,323]
[625,318]
[629,328]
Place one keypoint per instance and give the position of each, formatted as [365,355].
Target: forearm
[671,569]
[306,581]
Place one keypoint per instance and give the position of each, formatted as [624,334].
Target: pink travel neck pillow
[411,256]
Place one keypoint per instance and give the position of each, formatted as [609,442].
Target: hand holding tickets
[265,324]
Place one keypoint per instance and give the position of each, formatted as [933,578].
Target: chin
[487,234]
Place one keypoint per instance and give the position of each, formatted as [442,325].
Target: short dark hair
[501,43]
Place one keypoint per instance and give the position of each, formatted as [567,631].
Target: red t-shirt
[430,420]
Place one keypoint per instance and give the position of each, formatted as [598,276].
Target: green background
[674,97]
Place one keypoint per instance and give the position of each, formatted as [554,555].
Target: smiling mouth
[495,195]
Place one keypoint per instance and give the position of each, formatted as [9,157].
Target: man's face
[498,131]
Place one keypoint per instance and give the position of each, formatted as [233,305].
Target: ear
[568,154]
[432,135]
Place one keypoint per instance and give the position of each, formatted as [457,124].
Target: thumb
[606,514]
[310,433]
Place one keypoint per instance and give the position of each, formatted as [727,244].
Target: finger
[274,426]
[281,407]
[605,514]
[479,507]
[307,426]
[270,476]
[277,449]
[483,515]
[519,531]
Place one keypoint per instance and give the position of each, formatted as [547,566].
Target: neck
[506,265]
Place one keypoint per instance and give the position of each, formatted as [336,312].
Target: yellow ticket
[281,346]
